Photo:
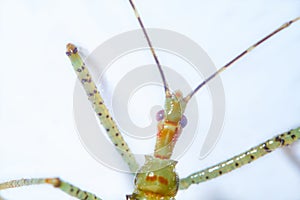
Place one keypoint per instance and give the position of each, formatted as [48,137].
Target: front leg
[99,107]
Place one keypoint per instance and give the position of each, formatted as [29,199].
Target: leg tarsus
[55,182]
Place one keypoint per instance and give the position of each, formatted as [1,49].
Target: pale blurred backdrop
[37,133]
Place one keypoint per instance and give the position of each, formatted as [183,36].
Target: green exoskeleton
[157,178]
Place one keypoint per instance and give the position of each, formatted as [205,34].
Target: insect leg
[246,157]
[100,109]
[55,182]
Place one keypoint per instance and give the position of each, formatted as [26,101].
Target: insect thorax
[157,179]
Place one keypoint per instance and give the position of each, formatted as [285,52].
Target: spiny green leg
[56,182]
[254,153]
[100,109]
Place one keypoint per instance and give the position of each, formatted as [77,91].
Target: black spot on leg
[293,136]
[79,70]
[252,157]
[267,149]
[220,172]
[278,139]
[206,177]
[117,134]
[236,164]
[83,80]
[100,114]
[289,133]
[107,116]
[86,197]
[107,130]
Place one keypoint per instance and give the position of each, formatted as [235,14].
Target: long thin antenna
[151,48]
[285,25]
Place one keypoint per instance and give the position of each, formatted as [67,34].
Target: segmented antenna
[285,25]
[151,48]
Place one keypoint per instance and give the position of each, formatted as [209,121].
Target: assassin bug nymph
[144,189]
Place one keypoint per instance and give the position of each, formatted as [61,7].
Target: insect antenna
[166,87]
[285,25]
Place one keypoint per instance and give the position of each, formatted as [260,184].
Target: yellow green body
[155,180]
[169,128]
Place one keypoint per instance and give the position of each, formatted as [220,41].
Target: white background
[38,136]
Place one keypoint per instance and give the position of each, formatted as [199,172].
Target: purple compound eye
[75,50]
[183,121]
[160,115]
[68,53]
